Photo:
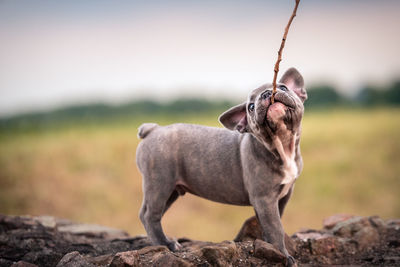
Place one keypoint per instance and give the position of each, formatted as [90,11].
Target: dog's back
[194,156]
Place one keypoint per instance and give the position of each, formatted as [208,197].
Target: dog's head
[265,120]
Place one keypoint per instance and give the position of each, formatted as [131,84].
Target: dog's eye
[251,107]
[283,88]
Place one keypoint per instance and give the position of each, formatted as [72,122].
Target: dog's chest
[290,172]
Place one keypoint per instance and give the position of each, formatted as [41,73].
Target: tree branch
[276,69]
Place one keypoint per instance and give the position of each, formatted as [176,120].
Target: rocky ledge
[343,240]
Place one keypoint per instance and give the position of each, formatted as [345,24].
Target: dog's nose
[266,94]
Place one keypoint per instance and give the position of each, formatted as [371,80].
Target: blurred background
[78,77]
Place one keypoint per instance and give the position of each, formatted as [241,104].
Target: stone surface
[219,254]
[127,258]
[331,221]
[170,260]
[74,259]
[324,245]
[93,230]
[47,241]
[153,249]
[367,237]
[268,252]
[23,264]
[251,231]
[304,236]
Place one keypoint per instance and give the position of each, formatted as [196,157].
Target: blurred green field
[87,173]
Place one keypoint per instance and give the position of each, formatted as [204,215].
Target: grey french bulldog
[255,161]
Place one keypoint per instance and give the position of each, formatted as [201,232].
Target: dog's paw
[291,262]
[174,246]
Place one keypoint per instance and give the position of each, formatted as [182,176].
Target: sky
[56,53]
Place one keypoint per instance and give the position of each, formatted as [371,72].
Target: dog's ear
[235,118]
[295,82]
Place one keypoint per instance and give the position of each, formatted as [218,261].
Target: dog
[254,161]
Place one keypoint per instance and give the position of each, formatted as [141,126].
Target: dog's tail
[145,129]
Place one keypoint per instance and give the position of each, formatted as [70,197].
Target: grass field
[88,173]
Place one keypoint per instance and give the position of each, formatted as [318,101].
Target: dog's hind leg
[155,203]
[172,198]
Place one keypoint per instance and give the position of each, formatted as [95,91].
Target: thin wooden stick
[276,69]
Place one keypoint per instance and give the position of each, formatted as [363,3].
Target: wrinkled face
[266,120]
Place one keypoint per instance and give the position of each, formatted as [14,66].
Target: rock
[103,260]
[4,262]
[38,240]
[304,236]
[92,230]
[222,254]
[324,245]
[46,221]
[331,221]
[127,258]
[377,223]
[23,264]
[268,252]
[153,249]
[251,231]
[395,223]
[367,237]
[170,260]
[48,241]
[40,254]
[74,259]
[348,227]
[365,231]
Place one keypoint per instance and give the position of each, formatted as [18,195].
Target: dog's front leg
[283,201]
[267,211]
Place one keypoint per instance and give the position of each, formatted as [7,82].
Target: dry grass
[88,174]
